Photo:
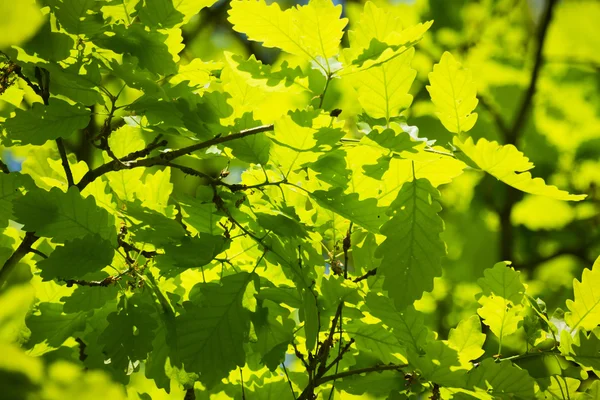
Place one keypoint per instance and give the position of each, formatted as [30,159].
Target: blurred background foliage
[486,221]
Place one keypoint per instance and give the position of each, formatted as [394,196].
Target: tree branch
[376,368]
[10,264]
[65,161]
[165,158]
[371,272]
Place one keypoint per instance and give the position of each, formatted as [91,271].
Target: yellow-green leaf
[383,90]
[467,339]
[509,165]
[313,31]
[584,311]
[454,94]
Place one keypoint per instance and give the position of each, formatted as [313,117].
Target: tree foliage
[241,226]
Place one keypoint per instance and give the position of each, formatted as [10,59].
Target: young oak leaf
[467,340]
[584,311]
[454,94]
[62,216]
[313,31]
[383,90]
[502,293]
[412,251]
[509,165]
[211,334]
[379,37]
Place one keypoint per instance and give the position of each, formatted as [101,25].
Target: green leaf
[467,340]
[393,138]
[14,305]
[41,123]
[274,331]
[86,298]
[502,380]
[189,8]
[364,213]
[585,350]
[313,31]
[281,224]
[376,339]
[509,165]
[407,325]
[129,333]
[78,17]
[70,83]
[454,94]
[211,334]
[256,73]
[378,384]
[594,390]
[11,186]
[149,226]
[50,324]
[501,299]
[502,281]
[159,14]
[383,90]
[332,168]
[148,47]
[310,309]
[412,251]
[63,216]
[439,364]
[584,310]
[21,21]
[49,45]
[77,258]
[190,252]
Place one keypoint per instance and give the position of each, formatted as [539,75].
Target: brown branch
[371,272]
[165,158]
[376,368]
[65,161]
[10,264]
[155,144]
[37,252]
[338,358]
[347,243]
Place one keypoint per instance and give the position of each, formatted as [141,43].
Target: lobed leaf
[412,251]
[454,94]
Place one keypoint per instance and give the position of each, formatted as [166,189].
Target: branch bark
[165,158]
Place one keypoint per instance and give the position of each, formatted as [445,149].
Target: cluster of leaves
[298,277]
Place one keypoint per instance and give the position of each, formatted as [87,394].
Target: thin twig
[39,253]
[288,380]
[242,381]
[376,368]
[10,264]
[164,158]
[346,245]
[369,273]
[65,161]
